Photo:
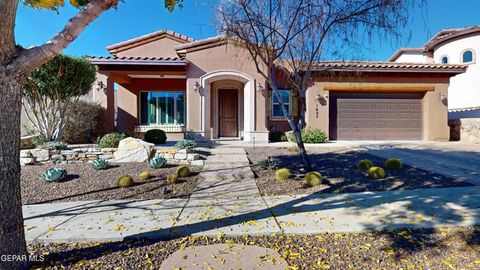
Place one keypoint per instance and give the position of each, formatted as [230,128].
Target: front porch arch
[248,99]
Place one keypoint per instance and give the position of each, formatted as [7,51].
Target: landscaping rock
[197,163]
[25,154]
[133,150]
[40,153]
[57,157]
[193,156]
[181,156]
[27,161]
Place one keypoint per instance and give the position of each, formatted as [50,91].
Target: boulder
[27,161]
[133,150]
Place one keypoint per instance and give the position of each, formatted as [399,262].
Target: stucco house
[209,89]
[452,46]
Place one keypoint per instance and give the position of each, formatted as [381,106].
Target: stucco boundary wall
[465,130]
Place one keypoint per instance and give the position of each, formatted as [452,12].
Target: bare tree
[288,37]
[16,63]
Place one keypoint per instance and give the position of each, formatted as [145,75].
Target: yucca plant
[54,174]
[157,162]
[100,164]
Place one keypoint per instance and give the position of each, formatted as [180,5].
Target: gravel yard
[340,173]
[84,183]
[442,248]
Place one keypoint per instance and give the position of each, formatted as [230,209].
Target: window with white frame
[162,108]
[467,56]
[276,106]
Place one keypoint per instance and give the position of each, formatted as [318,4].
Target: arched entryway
[227,105]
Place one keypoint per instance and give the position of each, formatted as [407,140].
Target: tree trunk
[301,148]
[12,237]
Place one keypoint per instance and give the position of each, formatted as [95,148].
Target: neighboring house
[210,89]
[453,46]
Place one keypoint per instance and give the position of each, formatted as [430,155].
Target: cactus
[100,164]
[313,179]
[282,174]
[393,164]
[125,181]
[144,176]
[376,173]
[157,162]
[364,164]
[54,175]
[172,179]
[183,171]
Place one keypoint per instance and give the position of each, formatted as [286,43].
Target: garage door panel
[378,119]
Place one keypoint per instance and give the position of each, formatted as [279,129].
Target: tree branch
[31,58]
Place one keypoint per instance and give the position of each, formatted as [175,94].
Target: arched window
[467,56]
[444,59]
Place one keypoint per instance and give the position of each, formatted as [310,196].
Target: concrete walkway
[227,201]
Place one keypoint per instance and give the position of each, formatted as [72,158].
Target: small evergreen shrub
[100,164]
[364,165]
[155,136]
[172,179]
[157,162]
[56,145]
[186,144]
[125,181]
[311,135]
[313,179]
[111,140]
[183,171]
[393,164]
[376,173]
[54,174]
[277,136]
[282,174]
[144,176]
[268,164]
[39,140]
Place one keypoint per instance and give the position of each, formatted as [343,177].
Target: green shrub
[125,181]
[100,164]
[277,136]
[364,165]
[111,140]
[393,164]
[282,174]
[186,144]
[155,136]
[144,176]
[157,162]
[54,174]
[311,135]
[38,140]
[58,145]
[313,179]
[172,179]
[85,123]
[268,164]
[376,173]
[183,171]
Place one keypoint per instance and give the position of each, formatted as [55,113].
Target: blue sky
[138,17]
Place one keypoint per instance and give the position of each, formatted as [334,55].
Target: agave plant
[100,164]
[186,144]
[157,162]
[54,175]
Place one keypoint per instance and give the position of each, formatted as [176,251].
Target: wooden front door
[228,112]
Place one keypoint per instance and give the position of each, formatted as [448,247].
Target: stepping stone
[225,256]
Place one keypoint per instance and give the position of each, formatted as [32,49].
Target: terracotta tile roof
[354,66]
[450,33]
[112,60]
[200,42]
[465,109]
[149,36]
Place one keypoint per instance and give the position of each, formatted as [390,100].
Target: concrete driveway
[453,159]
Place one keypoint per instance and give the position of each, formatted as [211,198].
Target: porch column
[249,110]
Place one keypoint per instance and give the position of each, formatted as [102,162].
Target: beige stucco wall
[159,48]
[435,115]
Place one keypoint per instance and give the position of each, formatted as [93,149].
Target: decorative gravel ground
[439,249]
[84,183]
[341,174]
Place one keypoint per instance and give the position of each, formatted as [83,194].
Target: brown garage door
[378,119]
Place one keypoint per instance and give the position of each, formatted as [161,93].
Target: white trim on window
[444,57]
[462,56]
[274,103]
